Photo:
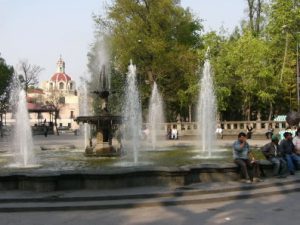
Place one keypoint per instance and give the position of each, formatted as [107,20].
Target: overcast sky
[42,30]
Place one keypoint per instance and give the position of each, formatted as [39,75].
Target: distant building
[59,92]
[60,81]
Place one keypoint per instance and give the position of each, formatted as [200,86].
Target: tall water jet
[207,110]
[85,111]
[156,115]
[23,143]
[132,113]
[99,65]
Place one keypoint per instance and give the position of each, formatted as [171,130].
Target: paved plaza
[274,205]
[271,202]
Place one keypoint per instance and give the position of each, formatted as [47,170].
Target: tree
[29,73]
[6,73]
[282,36]
[255,14]
[244,77]
[56,101]
[161,38]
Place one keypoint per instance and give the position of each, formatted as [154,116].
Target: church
[59,93]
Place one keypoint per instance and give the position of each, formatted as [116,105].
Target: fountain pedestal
[104,148]
[105,145]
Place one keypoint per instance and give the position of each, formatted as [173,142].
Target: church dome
[60,74]
[57,77]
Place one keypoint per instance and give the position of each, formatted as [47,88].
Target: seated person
[296,142]
[249,131]
[169,133]
[146,133]
[269,133]
[287,149]
[174,133]
[241,150]
[219,131]
[272,153]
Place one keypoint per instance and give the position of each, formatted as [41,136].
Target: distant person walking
[45,130]
[1,128]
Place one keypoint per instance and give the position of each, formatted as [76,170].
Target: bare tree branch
[30,73]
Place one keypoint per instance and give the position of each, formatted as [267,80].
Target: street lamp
[286,29]
[297,57]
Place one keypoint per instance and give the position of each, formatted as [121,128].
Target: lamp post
[286,29]
[297,57]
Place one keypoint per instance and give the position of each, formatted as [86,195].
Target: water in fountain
[100,66]
[23,143]
[85,111]
[207,111]
[132,113]
[156,115]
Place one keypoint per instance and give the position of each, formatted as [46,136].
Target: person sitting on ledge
[296,142]
[272,153]
[241,150]
[288,151]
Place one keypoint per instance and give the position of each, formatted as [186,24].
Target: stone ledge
[121,178]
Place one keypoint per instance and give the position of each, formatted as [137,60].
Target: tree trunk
[255,9]
[270,112]
[251,14]
[249,112]
[190,113]
[151,77]
[55,122]
[258,14]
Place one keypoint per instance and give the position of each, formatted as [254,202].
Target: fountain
[156,115]
[84,111]
[69,169]
[207,110]
[132,114]
[22,144]
[105,123]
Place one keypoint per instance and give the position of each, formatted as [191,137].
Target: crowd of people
[284,156]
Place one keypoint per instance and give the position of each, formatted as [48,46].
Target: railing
[229,127]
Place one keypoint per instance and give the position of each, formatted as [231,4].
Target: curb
[171,198]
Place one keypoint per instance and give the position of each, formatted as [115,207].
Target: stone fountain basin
[58,147]
[109,178]
[70,169]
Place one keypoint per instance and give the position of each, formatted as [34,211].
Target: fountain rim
[95,119]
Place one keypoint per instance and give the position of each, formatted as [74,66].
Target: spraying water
[84,111]
[156,115]
[100,66]
[132,113]
[23,143]
[207,110]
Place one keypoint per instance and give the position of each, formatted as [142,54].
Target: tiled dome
[60,77]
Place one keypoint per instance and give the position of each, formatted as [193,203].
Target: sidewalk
[269,202]
[136,197]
